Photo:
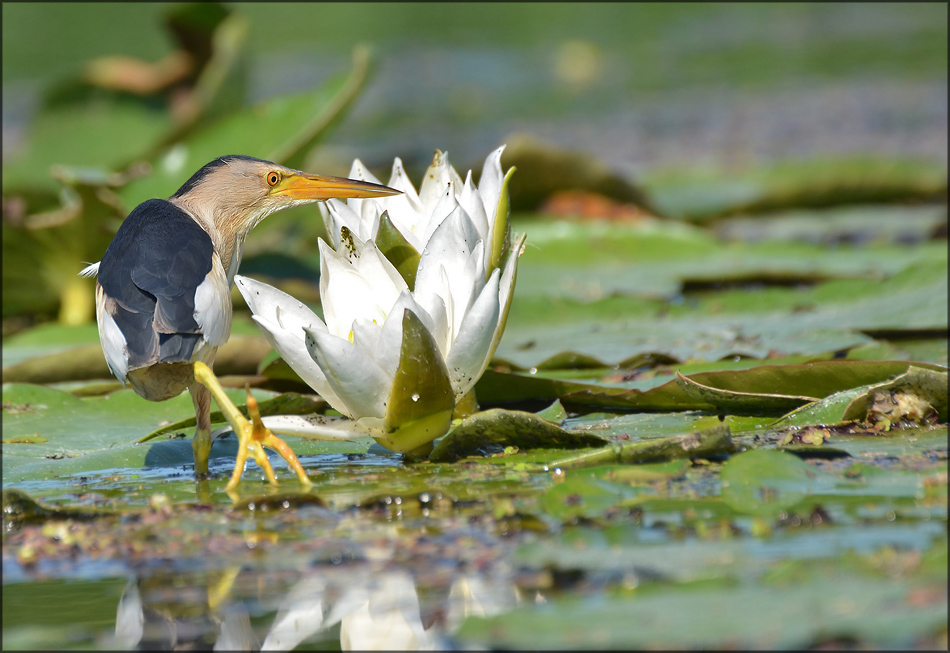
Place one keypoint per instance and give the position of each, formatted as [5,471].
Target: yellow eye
[273,178]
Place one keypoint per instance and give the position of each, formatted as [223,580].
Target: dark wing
[151,271]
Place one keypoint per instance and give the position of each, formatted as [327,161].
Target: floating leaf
[766,483]
[922,391]
[554,413]
[707,443]
[492,430]
[739,402]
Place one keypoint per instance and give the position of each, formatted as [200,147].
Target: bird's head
[236,192]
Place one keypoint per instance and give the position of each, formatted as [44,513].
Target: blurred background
[682,111]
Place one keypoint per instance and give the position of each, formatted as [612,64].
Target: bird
[163,289]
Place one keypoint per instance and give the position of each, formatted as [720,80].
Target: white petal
[365,335]
[282,319]
[365,286]
[355,377]
[489,184]
[265,300]
[437,178]
[455,251]
[433,304]
[438,213]
[293,349]
[369,220]
[389,346]
[316,427]
[471,203]
[472,348]
[400,181]
[360,172]
[338,215]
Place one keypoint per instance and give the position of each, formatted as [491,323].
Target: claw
[252,436]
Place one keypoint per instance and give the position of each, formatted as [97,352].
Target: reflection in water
[372,610]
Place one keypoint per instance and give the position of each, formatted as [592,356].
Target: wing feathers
[152,271]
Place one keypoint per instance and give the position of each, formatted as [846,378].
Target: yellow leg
[201,444]
[252,436]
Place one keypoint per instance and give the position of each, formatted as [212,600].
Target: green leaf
[288,403]
[703,193]
[826,411]
[733,401]
[421,401]
[766,483]
[281,129]
[492,430]
[554,413]
[922,388]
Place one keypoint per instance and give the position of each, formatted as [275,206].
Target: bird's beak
[301,186]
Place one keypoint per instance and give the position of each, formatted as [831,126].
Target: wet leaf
[915,394]
[288,403]
[766,483]
[492,430]
[739,402]
[554,413]
[707,443]
[817,379]
[25,439]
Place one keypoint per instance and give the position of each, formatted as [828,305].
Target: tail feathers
[90,271]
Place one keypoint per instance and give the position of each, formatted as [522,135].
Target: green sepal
[395,247]
[501,233]
[421,401]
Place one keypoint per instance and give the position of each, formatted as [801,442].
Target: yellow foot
[252,436]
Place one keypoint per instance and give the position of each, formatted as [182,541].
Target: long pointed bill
[302,186]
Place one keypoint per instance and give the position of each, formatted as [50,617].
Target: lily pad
[492,430]
[767,483]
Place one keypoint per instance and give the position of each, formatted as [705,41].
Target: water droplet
[415,396]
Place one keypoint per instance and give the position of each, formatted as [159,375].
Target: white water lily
[415,291]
